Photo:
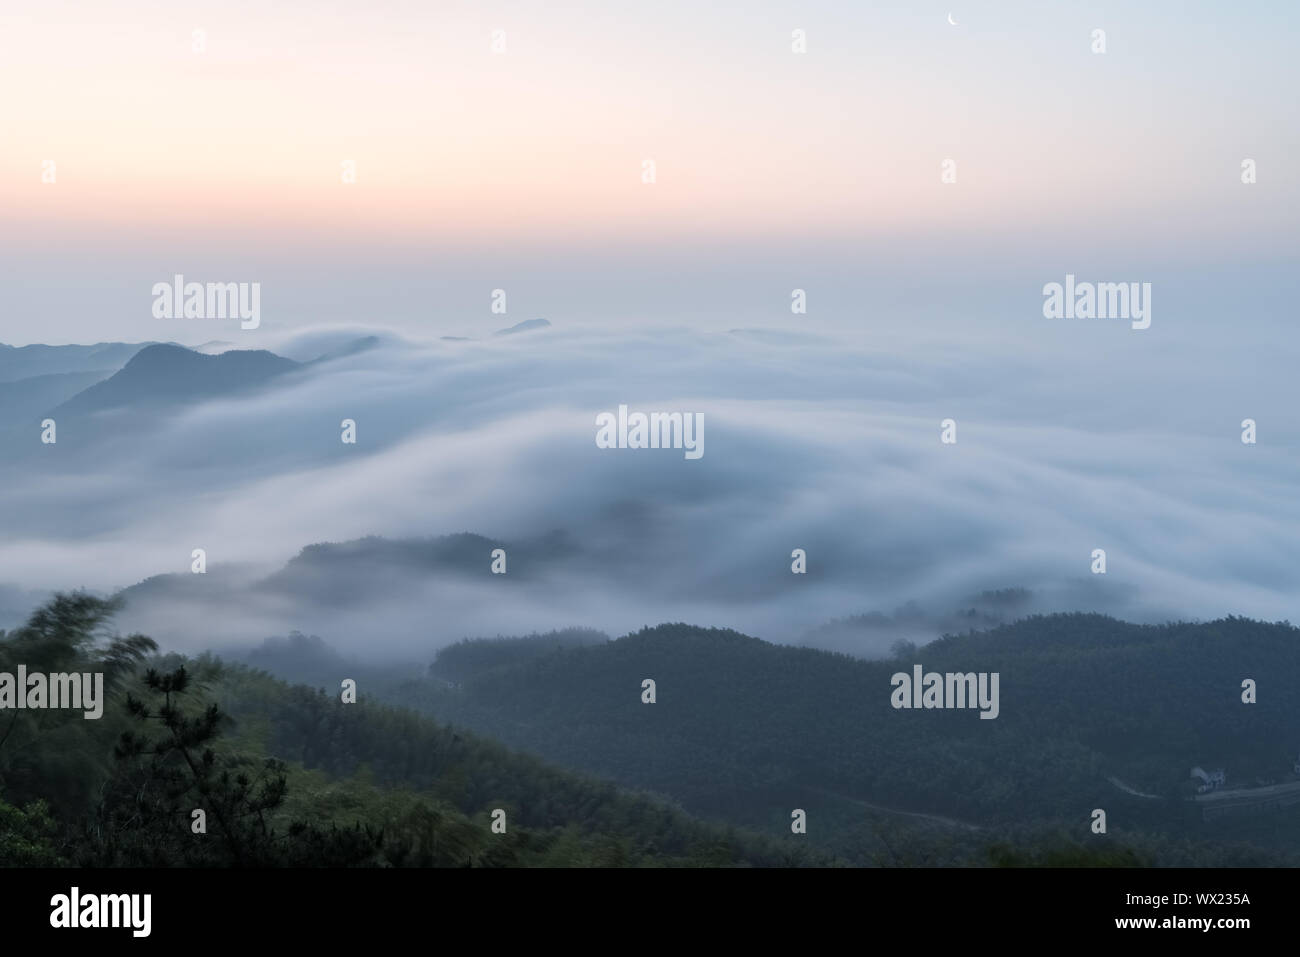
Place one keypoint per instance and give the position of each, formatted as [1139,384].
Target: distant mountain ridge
[26,362]
[160,374]
[27,400]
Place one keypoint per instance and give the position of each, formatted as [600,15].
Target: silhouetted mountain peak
[528,325]
[167,373]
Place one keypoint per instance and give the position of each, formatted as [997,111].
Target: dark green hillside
[468,658]
[291,776]
[402,749]
[745,730]
[742,732]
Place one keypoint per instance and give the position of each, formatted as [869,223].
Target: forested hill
[294,776]
[744,730]
[400,749]
[741,731]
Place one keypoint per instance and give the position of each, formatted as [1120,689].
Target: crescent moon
[951,20]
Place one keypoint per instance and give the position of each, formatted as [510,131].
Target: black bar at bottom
[239,908]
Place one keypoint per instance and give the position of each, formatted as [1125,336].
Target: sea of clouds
[1070,437]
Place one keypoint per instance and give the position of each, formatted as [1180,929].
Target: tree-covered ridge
[402,748]
[290,776]
[743,729]
[467,658]
[741,732]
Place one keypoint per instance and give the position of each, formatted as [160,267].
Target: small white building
[1210,780]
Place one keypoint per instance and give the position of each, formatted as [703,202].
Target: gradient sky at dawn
[478,169]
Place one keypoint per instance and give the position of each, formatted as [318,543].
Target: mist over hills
[913,624]
[338,588]
[814,440]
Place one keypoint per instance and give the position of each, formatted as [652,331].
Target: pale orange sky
[547,140]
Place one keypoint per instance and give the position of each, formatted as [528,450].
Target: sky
[523,169]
